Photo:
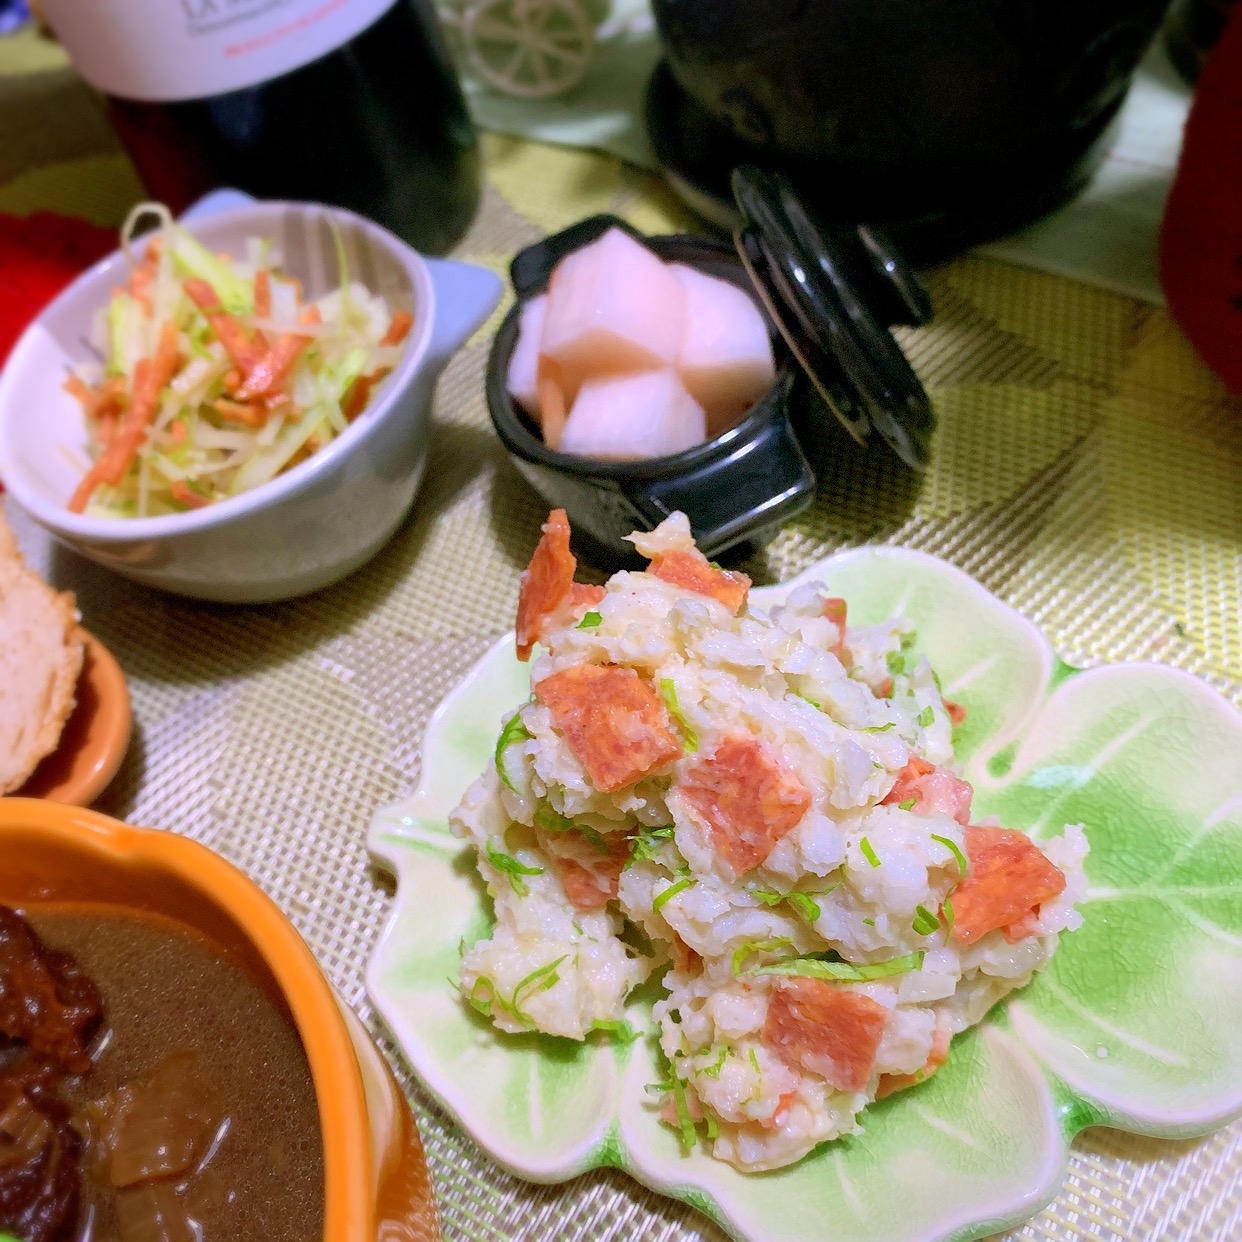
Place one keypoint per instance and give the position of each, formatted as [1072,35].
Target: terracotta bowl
[96,735]
[376,1182]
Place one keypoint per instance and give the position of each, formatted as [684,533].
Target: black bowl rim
[511,426]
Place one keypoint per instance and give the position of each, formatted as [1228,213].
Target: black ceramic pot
[737,490]
[947,121]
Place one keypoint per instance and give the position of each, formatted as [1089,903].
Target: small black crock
[828,298]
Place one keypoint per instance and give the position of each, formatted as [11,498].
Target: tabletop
[1086,469]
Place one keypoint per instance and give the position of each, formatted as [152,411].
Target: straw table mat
[1088,470]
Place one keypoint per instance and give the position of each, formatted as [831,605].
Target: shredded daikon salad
[218,375]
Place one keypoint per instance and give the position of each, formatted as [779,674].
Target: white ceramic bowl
[310,526]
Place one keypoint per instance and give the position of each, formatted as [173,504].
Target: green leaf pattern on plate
[1137,1023]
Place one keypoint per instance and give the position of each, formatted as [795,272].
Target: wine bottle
[352,102]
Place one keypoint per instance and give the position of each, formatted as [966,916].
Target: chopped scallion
[539,980]
[925,922]
[647,843]
[667,894]
[590,621]
[842,972]
[618,1028]
[668,692]
[512,868]
[908,805]
[926,718]
[806,906]
[868,853]
[514,731]
[743,951]
[953,847]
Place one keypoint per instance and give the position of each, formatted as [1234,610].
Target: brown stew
[149,1090]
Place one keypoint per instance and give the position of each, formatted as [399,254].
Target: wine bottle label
[165,50]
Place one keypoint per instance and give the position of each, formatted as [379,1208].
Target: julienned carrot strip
[398,328]
[140,282]
[151,377]
[262,293]
[183,494]
[248,414]
[77,388]
[359,395]
[271,371]
[228,331]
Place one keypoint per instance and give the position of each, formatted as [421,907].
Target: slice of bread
[40,660]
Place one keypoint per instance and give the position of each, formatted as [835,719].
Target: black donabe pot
[948,121]
[831,294]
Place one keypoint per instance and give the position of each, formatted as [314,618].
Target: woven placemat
[1086,470]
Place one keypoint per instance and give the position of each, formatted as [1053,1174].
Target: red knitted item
[1201,238]
[39,255]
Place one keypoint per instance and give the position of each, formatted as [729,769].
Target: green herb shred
[754,1060]
[884,728]
[954,848]
[869,922]
[844,972]
[803,903]
[482,1004]
[743,951]
[713,1070]
[512,868]
[668,692]
[806,906]
[673,889]
[908,805]
[514,731]
[537,981]
[947,906]
[868,853]
[589,622]
[926,718]
[551,820]
[647,843]
[618,1028]
[685,1122]
[925,922]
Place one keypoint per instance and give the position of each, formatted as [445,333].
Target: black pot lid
[834,290]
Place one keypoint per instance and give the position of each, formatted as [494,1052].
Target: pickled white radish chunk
[628,417]
[612,307]
[726,356]
[522,380]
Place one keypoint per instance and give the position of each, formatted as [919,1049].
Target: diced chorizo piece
[1008,877]
[547,585]
[834,611]
[612,721]
[1023,929]
[693,572]
[593,887]
[934,791]
[826,1029]
[747,798]
[938,1055]
[583,594]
